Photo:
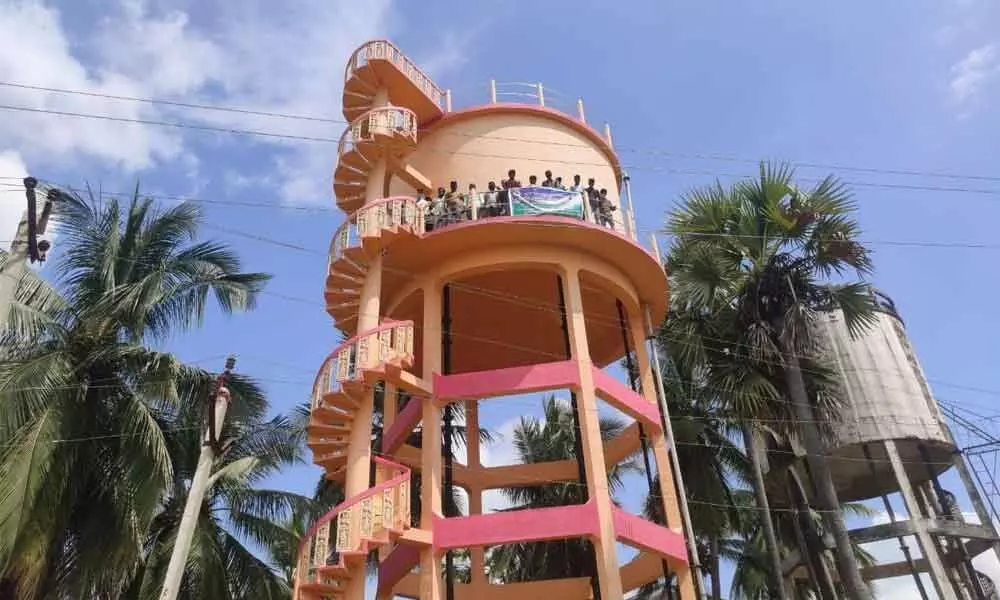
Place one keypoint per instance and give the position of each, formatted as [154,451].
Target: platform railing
[370,220]
[486,205]
[433,215]
[352,528]
[386,50]
[367,350]
[385,120]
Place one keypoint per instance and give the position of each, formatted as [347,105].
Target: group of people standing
[453,205]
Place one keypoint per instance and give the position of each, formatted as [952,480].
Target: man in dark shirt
[593,200]
[548,181]
[511,181]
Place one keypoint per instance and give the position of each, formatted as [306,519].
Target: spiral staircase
[386,99]
[337,546]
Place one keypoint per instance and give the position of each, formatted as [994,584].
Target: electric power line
[656,152]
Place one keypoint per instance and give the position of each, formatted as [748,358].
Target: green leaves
[98,432]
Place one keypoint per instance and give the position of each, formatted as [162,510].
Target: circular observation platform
[503,274]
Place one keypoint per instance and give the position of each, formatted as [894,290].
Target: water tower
[468,298]
[892,439]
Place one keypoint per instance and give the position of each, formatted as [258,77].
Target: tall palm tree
[711,464]
[85,402]
[746,548]
[238,517]
[748,262]
[551,439]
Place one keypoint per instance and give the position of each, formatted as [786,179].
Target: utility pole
[25,245]
[210,447]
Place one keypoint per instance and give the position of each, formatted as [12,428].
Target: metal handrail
[346,360]
[358,522]
[370,219]
[383,119]
[384,49]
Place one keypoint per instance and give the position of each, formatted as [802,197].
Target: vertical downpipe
[446,489]
[629,219]
[675,465]
[634,384]
[595,585]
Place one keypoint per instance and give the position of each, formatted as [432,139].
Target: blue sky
[693,91]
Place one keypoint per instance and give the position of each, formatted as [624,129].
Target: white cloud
[37,52]
[973,72]
[251,54]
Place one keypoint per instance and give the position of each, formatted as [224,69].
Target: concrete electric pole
[26,245]
[210,447]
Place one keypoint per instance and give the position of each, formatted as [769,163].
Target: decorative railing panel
[385,50]
[367,350]
[353,528]
[385,120]
[370,220]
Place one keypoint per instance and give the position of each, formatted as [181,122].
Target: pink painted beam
[402,426]
[395,566]
[531,525]
[646,535]
[513,380]
[623,398]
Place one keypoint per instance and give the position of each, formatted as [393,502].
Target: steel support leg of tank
[928,546]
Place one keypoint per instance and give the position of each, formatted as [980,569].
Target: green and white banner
[534,200]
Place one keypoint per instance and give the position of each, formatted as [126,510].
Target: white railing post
[541,94]
[607,135]
[447,100]
[579,110]
[493,91]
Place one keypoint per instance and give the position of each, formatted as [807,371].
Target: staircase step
[328,462]
[350,201]
[346,325]
[338,278]
[340,400]
[342,296]
[332,416]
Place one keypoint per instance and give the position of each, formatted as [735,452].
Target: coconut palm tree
[550,439]
[747,263]
[237,518]
[85,402]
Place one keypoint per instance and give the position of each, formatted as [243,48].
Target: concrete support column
[430,452]
[985,518]
[657,440]
[478,554]
[376,177]
[928,546]
[590,435]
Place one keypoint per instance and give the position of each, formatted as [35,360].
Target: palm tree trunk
[714,565]
[767,522]
[826,495]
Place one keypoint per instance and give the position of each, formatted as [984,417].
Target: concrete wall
[481,145]
[886,394]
